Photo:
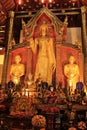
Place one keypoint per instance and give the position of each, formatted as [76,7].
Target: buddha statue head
[17,59]
[43,28]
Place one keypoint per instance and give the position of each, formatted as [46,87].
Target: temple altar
[57,30]
[43,45]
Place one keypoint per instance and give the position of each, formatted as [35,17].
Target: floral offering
[72,128]
[81,125]
[39,121]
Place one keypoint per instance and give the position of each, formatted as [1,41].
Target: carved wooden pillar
[84,27]
[58,63]
[9,38]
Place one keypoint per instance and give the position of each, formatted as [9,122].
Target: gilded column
[84,32]
[9,38]
[58,63]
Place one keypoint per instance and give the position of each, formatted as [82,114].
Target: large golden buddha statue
[46,63]
[17,70]
[71,71]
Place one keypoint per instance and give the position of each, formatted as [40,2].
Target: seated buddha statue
[17,70]
[71,72]
[31,85]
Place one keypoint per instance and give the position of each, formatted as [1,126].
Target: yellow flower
[39,121]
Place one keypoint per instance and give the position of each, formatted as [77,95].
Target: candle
[70,87]
[23,92]
[86,92]
[30,94]
[70,83]
[27,92]
[51,89]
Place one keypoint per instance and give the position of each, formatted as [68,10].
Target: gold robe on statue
[46,63]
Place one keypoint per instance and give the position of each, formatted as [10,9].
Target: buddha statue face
[43,28]
[17,59]
[30,76]
[71,59]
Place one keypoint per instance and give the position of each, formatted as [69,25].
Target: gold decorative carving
[83,9]
[11,14]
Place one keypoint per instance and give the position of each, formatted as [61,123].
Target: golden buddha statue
[17,70]
[46,63]
[71,71]
[30,83]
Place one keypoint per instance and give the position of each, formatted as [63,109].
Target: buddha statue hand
[31,42]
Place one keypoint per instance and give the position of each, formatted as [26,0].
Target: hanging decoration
[46,1]
[20,2]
